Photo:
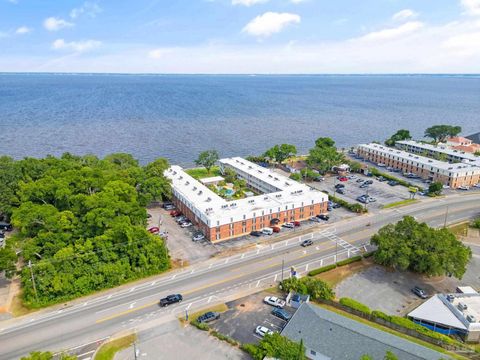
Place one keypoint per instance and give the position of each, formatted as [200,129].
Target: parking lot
[245,314]
[382,192]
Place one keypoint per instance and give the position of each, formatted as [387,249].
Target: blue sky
[241,36]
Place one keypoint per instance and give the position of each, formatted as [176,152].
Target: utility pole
[283,264]
[135,350]
[446,216]
[366,198]
[33,279]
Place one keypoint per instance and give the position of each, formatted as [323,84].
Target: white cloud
[393,33]
[76,46]
[88,8]
[54,24]
[23,30]
[404,15]
[248,2]
[472,7]
[270,23]
[159,53]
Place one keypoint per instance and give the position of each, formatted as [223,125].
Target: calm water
[178,116]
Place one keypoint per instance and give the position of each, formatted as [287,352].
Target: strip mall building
[451,174]
[281,200]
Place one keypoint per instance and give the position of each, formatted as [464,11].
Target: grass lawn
[460,229]
[400,203]
[200,173]
[335,276]
[18,309]
[391,331]
[220,308]
[108,350]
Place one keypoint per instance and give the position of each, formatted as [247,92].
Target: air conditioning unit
[462,306]
[450,297]
[471,319]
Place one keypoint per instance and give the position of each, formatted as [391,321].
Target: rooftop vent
[187,183]
[278,196]
[270,175]
[251,201]
[233,205]
[180,178]
[276,178]
[194,188]
[287,183]
[200,192]
[209,199]
[450,297]
[462,306]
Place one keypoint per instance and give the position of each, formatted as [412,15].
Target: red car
[154,230]
[175,213]
[342,178]
[276,229]
[296,223]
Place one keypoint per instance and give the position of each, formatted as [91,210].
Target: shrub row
[333,266]
[368,254]
[349,260]
[355,305]
[200,326]
[252,350]
[226,338]
[356,208]
[322,270]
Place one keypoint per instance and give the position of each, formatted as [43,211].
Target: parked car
[167,203]
[180,219]
[319,178]
[267,231]
[339,186]
[342,178]
[171,299]
[369,182]
[282,314]
[256,233]
[329,208]
[296,223]
[364,185]
[477,185]
[381,179]
[288,225]
[362,199]
[341,191]
[198,237]
[315,219]
[186,224]
[392,183]
[306,243]
[464,187]
[5,226]
[154,230]
[419,292]
[276,229]
[208,317]
[336,205]
[175,213]
[274,301]
[323,217]
[360,180]
[263,330]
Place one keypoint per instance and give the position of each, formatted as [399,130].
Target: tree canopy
[276,346]
[410,245]
[435,188]
[207,159]
[439,133]
[324,155]
[398,136]
[81,222]
[280,153]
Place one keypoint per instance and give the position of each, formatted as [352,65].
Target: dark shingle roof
[474,137]
[338,337]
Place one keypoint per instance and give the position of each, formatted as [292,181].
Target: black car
[336,205]
[323,217]
[171,299]
[419,292]
[341,191]
[339,186]
[256,233]
[368,182]
[282,314]
[208,316]
[393,183]
[5,226]
[306,243]
[359,180]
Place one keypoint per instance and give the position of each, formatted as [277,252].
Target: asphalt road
[218,280]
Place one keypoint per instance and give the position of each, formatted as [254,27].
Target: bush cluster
[226,338]
[200,326]
[355,305]
[349,260]
[317,289]
[402,182]
[356,208]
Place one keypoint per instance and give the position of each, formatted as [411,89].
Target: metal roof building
[328,335]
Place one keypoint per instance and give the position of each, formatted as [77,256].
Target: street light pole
[33,279]
[135,350]
[283,264]
[446,216]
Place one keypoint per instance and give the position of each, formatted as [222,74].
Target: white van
[267,231]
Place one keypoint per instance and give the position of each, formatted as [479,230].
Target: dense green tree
[476,223]
[435,188]
[409,245]
[390,356]
[81,223]
[324,155]
[439,133]
[366,357]
[280,153]
[477,153]
[316,288]
[279,347]
[398,136]
[207,159]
